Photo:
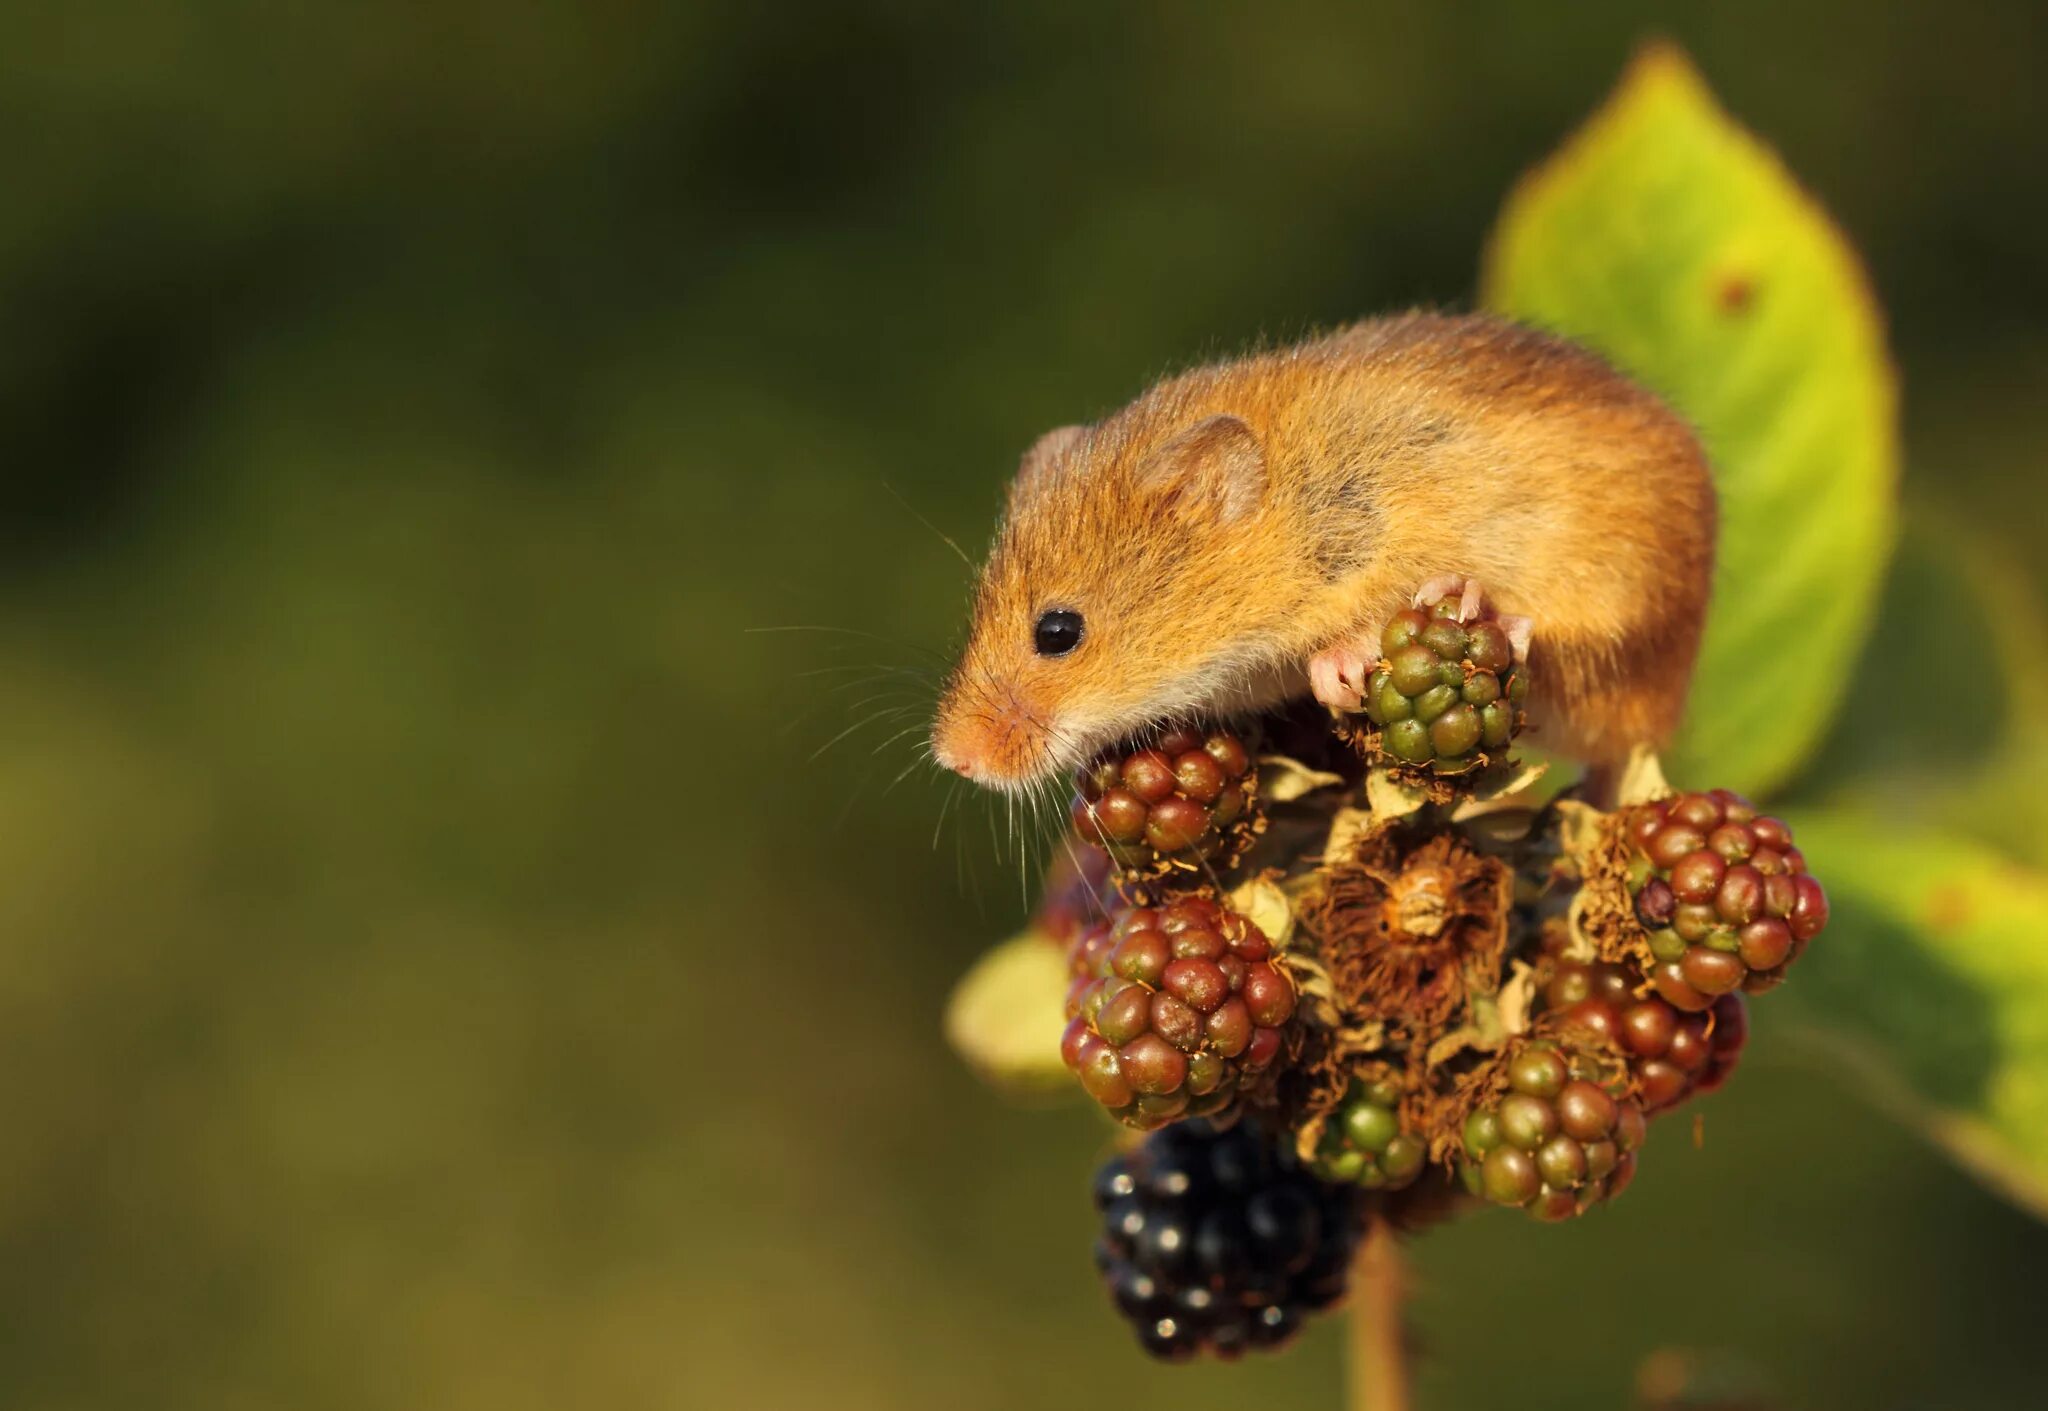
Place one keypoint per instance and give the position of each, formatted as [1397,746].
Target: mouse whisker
[827,629]
[944,537]
[915,727]
[854,728]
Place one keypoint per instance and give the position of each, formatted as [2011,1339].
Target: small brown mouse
[1236,536]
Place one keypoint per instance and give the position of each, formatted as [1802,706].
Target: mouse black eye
[1057,633]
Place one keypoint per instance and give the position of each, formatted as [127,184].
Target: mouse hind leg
[1588,705]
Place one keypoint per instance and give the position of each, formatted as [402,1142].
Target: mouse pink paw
[1471,597]
[1518,629]
[1337,675]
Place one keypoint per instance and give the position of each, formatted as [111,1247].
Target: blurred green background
[435,969]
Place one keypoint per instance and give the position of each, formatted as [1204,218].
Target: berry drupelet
[1172,1008]
[1721,894]
[1217,1241]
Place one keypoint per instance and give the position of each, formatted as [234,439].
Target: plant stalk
[1377,1354]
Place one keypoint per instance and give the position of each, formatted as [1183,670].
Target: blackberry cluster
[1171,1008]
[1722,895]
[1217,1241]
[1559,1141]
[1486,992]
[1363,1142]
[1185,800]
[1673,1055]
[1444,693]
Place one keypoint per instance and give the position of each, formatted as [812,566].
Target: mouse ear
[1218,462]
[1046,453]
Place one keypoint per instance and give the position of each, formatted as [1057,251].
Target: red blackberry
[1172,1008]
[1445,694]
[1562,1138]
[1185,801]
[1722,896]
[1217,1241]
[1673,1055]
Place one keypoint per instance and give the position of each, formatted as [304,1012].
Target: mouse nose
[992,744]
[946,750]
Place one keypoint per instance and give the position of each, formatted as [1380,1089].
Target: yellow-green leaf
[1955,610]
[1283,780]
[1932,979]
[1262,902]
[1006,1014]
[1673,241]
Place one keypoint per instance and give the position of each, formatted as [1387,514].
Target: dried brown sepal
[1504,789]
[1286,780]
[1314,1085]
[1493,1020]
[1458,1096]
[1602,916]
[1325,1050]
[1642,779]
[1351,829]
[1409,930]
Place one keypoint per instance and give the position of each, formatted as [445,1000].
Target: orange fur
[1238,518]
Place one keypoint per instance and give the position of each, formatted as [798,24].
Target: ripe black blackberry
[1217,1241]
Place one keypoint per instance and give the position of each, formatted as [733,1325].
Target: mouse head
[1126,588]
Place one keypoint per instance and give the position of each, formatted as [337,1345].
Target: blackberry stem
[1378,1350]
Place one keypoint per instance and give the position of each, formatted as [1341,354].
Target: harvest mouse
[1236,537]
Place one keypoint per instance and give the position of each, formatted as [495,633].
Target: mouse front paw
[1470,597]
[1337,674]
[1518,629]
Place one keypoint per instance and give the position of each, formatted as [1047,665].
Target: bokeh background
[438,969]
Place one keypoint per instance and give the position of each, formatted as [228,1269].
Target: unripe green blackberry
[1186,801]
[1561,1139]
[1721,894]
[1446,695]
[1173,1009]
[1672,1055]
[1217,1241]
[1363,1141]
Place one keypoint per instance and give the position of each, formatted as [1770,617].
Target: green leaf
[1932,979]
[1675,243]
[2007,799]
[1006,1015]
[1943,724]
